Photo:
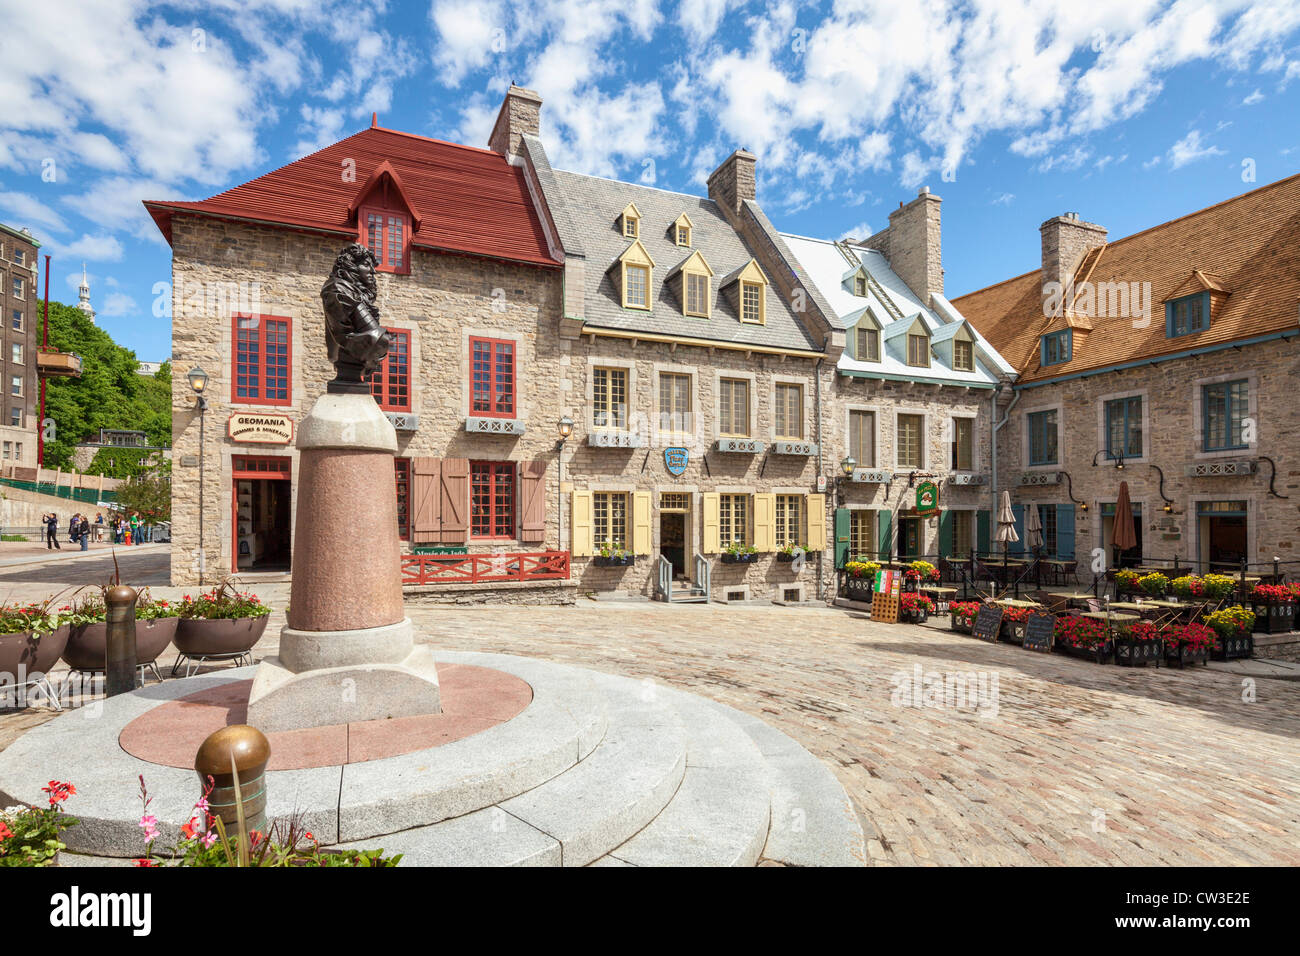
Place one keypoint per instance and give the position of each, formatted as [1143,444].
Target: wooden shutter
[532,501]
[455,500]
[843,535]
[764,522]
[945,534]
[641,534]
[885,534]
[982,532]
[712,535]
[1065,532]
[816,523]
[426,500]
[1018,547]
[580,519]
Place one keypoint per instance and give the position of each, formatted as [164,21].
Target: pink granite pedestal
[348,652]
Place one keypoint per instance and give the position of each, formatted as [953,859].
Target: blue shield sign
[675,460]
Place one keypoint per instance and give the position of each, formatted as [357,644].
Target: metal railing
[86,495]
[664,579]
[704,576]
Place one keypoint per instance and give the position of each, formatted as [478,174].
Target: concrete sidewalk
[18,553]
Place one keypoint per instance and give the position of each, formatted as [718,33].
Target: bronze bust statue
[355,340]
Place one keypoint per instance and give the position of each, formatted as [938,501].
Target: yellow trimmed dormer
[693,280]
[750,295]
[629,221]
[635,271]
[683,230]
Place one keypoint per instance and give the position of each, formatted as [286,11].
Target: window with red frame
[386,232]
[402,475]
[391,384]
[492,377]
[261,360]
[492,499]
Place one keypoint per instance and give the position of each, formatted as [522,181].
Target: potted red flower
[223,623]
[1083,637]
[915,608]
[1274,607]
[1013,625]
[1141,643]
[31,639]
[963,615]
[87,646]
[1189,644]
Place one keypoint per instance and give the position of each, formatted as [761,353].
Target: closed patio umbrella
[1033,528]
[1006,534]
[1122,533]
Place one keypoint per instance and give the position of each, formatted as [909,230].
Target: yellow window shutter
[580,519]
[641,537]
[712,542]
[816,523]
[764,522]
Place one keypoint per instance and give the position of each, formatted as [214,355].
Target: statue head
[356,264]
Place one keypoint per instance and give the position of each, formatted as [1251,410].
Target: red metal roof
[469,200]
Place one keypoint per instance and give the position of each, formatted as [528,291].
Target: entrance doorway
[262,491]
[909,538]
[1221,533]
[674,514]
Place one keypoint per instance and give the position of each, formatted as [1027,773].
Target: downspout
[817,392]
[993,442]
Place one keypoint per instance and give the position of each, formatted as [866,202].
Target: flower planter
[1098,653]
[1182,655]
[962,625]
[738,558]
[914,617]
[1135,652]
[1274,617]
[87,646]
[1013,632]
[1234,647]
[858,589]
[784,558]
[28,655]
[218,637]
[602,561]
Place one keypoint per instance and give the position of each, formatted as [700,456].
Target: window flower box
[729,558]
[612,560]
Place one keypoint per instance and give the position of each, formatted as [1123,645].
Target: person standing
[135,527]
[52,532]
[83,533]
[99,526]
[72,528]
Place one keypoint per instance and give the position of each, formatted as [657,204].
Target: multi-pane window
[789,519]
[859,285]
[1187,315]
[16,417]
[963,441]
[492,377]
[868,344]
[733,407]
[788,413]
[20,256]
[683,235]
[16,385]
[909,451]
[402,478]
[918,350]
[674,402]
[609,518]
[963,355]
[862,438]
[1047,518]
[492,499]
[18,288]
[391,384]
[16,353]
[733,519]
[697,294]
[1042,438]
[385,235]
[751,302]
[608,398]
[636,293]
[1226,405]
[1124,428]
[16,320]
[961,531]
[862,538]
[631,226]
[1057,347]
[8,448]
[261,360]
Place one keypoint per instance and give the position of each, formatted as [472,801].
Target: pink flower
[208,839]
[149,824]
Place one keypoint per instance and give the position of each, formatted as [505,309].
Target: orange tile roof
[466,200]
[1248,246]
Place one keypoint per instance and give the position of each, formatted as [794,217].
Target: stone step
[621,786]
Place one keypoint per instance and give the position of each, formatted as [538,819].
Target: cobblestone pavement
[1068,762]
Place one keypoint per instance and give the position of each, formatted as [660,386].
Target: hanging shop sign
[260,429]
[676,460]
[927,499]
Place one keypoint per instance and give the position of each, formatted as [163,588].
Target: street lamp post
[198,380]
[564,428]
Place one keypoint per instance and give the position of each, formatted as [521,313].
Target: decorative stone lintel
[404,421]
[615,439]
[802,449]
[1220,468]
[494,426]
[741,446]
[1040,478]
[871,476]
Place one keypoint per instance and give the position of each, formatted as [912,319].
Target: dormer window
[692,281]
[635,270]
[1057,347]
[386,232]
[918,349]
[630,221]
[681,230]
[751,303]
[963,355]
[867,344]
[860,285]
[1187,315]
[746,290]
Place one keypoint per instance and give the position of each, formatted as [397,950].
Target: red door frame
[275,471]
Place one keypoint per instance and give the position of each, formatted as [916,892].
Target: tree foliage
[150,493]
[110,392]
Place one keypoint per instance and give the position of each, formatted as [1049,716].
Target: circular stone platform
[473,700]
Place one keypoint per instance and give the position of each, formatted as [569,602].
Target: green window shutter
[841,536]
[1065,531]
[1019,546]
[945,534]
[885,533]
[982,532]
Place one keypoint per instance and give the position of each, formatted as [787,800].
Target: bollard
[250,750]
[120,654]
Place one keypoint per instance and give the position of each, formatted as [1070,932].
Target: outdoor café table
[1103,616]
[941,596]
[1072,597]
[1008,602]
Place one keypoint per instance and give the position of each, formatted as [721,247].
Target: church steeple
[83,295]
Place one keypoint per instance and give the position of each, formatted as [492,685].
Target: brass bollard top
[119,594]
[248,745]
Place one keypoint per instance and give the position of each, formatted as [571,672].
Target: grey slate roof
[586,211]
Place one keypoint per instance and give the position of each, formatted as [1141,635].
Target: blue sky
[1130,112]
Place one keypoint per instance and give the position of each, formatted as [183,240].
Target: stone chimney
[733,182]
[1065,241]
[913,245]
[520,114]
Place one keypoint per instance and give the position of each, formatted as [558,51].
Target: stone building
[1167,359]
[21,319]
[913,396]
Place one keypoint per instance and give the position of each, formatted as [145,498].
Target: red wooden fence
[484,568]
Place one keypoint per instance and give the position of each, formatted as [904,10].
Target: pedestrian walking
[52,532]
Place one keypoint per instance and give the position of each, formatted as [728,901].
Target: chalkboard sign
[987,623]
[1039,629]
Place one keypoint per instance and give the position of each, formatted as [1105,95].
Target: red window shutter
[426,500]
[455,500]
[532,501]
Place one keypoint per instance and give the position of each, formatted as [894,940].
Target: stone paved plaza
[1080,763]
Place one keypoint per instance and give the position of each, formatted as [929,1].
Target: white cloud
[116,304]
[861,231]
[1189,149]
[116,203]
[469,37]
[21,209]
[1003,199]
[101,248]
[1253,98]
